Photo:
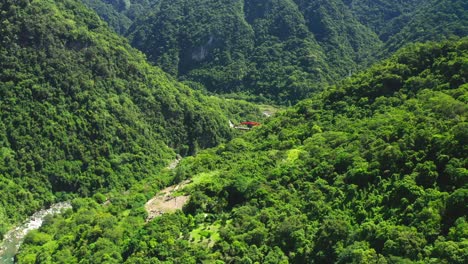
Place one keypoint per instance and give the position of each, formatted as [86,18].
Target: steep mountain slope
[81,111]
[384,17]
[436,20]
[281,50]
[372,170]
[347,43]
[401,22]
[119,14]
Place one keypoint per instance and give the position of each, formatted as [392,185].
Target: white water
[13,239]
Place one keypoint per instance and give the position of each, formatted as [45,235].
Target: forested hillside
[370,166]
[283,50]
[380,15]
[372,170]
[401,22]
[277,50]
[120,14]
[81,111]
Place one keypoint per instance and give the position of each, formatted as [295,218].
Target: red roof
[250,123]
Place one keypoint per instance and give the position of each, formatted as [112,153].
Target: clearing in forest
[166,201]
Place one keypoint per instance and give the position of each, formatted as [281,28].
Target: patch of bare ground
[166,201]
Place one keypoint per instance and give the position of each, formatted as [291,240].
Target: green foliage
[372,170]
[401,22]
[282,51]
[81,111]
[278,50]
[432,20]
[119,14]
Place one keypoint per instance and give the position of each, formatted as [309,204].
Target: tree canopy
[283,51]
[80,110]
[371,170]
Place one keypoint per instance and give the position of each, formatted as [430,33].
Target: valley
[244,131]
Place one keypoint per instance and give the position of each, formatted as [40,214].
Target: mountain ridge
[309,43]
[370,170]
[83,111]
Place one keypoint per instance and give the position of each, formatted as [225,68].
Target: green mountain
[385,17]
[278,50]
[372,170]
[82,111]
[447,18]
[284,50]
[401,22]
[119,14]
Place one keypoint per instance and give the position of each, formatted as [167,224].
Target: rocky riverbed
[13,238]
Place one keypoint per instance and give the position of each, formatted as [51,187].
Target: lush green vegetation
[372,170]
[401,22]
[119,14]
[281,51]
[276,50]
[81,111]
[386,17]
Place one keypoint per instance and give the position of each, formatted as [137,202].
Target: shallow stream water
[13,238]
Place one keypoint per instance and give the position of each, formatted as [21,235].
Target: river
[13,238]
